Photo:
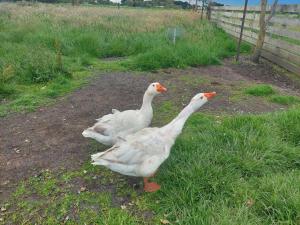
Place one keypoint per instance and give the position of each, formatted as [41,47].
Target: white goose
[112,127]
[140,154]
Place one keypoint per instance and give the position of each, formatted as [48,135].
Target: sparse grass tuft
[260,90]
[193,81]
[284,99]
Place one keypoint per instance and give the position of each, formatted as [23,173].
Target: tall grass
[41,43]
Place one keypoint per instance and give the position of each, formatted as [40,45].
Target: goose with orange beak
[140,154]
[118,125]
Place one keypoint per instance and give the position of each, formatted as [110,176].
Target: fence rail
[282,42]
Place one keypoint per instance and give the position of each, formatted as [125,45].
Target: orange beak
[160,88]
[210,95]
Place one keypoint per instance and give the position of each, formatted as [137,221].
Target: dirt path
[51,136]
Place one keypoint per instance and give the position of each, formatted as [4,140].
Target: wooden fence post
[241,33]
[202,10]
[209,10]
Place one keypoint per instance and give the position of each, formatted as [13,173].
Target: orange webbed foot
[151,187]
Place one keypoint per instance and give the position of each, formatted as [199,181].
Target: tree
[263,23]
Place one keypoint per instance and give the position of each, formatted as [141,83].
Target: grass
[240,169]
[83,203]
[44,44]
[28,97]
[260,90]
[231,173]
[222,170]
[265,90]
[284,99]
[193,81]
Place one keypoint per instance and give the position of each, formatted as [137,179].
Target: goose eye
[201,97]
[153,85]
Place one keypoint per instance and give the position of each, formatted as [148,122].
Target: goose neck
[174,128]
[147,103]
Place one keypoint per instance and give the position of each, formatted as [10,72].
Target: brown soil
[50,138]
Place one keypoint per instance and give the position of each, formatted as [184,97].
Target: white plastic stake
[174,36]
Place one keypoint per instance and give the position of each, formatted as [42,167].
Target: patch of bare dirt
[264,72]
[50,138]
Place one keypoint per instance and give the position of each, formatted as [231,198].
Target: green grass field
[43,47]
[225,169]
[222,170]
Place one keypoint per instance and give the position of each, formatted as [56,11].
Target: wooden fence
[282,42]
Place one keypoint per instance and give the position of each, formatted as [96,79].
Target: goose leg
[150,186]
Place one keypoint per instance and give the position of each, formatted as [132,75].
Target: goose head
[155,88]
[200,99]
